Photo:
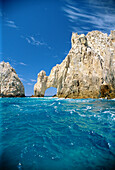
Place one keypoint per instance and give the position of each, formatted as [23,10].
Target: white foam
[112,115]
[40,156]
[106,112]
[71,112]
[60,99]
[113,99]
[52,104]
[109,144]
[82,115]
[88,107]
[19,166]
[16,105]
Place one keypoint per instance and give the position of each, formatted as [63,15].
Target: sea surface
[50,133]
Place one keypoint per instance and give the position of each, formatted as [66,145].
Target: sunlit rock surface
[88,71]
[10,84]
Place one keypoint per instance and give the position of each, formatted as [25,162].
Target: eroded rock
[10,84]
[88,71]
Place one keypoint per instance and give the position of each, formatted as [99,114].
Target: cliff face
[88,71]
[10,84]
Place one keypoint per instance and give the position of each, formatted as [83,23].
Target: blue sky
[36,34]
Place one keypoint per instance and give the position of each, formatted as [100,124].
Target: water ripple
[51,133]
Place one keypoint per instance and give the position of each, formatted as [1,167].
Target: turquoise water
[50,133]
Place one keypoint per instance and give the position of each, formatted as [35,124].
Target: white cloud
[22,63]
[93,14]
[30,84]
[32,80]
[36,42]
[14,62]
[33,41]
[74,8]
[22,79]
[11,24]
[28,40]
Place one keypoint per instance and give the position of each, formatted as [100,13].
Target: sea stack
[88,71]
[10,84]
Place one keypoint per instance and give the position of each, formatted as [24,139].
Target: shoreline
[60,98]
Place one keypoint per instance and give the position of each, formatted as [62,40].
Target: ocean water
[50,133]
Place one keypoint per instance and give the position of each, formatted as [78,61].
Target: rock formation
[10,84]
[88,71]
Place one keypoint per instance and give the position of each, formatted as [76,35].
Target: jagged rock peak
[88,71]
[10,84]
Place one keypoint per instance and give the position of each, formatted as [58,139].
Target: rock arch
[44,82]
[55,79]
[86,71]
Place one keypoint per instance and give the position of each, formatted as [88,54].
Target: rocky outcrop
[88,71]
[10,84]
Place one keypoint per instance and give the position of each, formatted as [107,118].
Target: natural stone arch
[87,70]
[44,82]
[55,79]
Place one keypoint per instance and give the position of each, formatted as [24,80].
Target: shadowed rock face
[10,84]
[88,71]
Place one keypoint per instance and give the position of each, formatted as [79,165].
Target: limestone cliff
[10,84]
[88,71]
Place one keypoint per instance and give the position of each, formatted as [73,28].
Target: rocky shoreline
[88,71]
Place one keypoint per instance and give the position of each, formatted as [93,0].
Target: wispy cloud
[27,81]
[34,41]
[22,79]
[28,40]
[32,80]
[14,62]
[91,15]
[30,84]
[11,24]
[22,63]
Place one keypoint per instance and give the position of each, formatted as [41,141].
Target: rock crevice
[88,71]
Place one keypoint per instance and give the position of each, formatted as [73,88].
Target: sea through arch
[51,91]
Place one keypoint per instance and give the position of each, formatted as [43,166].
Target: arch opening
[51,91]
